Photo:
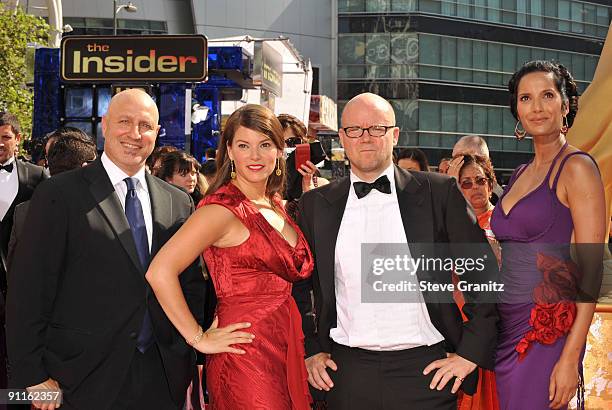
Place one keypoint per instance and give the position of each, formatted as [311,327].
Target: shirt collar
[117,175]
[389,172]
[9,161]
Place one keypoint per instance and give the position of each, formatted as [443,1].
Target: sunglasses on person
[291,142]
[468,184]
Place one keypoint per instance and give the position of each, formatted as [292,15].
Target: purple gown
[538,223]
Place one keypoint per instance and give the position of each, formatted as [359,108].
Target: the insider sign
[134,58]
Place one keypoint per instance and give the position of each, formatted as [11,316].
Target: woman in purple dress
[554,200]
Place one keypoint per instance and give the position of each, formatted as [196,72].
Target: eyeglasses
[467,183]
[374,131]
[293,141]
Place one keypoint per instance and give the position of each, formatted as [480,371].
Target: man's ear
[105,125]
[18,138]
[396,134]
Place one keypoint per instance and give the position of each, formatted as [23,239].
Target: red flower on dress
[555,310]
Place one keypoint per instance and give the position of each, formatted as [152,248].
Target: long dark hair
[256,118]
[564,82]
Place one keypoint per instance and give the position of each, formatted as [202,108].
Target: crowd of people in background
[126,261]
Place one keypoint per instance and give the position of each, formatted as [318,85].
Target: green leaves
[17,29]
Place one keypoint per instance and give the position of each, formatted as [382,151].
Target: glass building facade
[445,64]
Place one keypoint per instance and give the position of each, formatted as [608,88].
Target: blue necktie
[135,217]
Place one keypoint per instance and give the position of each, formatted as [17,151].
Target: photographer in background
[306,176]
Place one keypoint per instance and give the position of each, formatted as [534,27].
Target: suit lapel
[23,177]
[161,208]
[327,224]
[22,173]
[108,202]
[22,188]
[417,217]
[412,198]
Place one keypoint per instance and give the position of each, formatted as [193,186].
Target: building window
[489,63]
[441,123]
[557,15]
[385,55]
[104,26]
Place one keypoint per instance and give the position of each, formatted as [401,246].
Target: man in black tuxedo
[17,182]
[388,355]
[91,326]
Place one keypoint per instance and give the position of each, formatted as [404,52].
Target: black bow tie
[8,168]
[382,184]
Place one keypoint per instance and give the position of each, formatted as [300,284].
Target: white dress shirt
[9,186]
[374,326]
[117,177]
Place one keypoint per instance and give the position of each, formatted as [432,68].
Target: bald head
[133,97]
[472,145]
[367,102]
[369,154]
[130,129]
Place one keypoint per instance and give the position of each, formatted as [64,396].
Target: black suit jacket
[19,221]
[77,269]
[29,176]
[433,210]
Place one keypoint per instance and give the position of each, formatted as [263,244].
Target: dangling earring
[233,171]
[278,170]
[519,134]
[565,126]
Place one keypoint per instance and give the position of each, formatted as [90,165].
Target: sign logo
[134,58]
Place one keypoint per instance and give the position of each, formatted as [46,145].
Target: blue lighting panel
[47,92]
[225,58]
[172,114]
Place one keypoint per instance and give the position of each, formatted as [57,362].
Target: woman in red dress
[253,252]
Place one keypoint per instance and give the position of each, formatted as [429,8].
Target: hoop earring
[565,126]
[233,171]
[278,171]
[519,134]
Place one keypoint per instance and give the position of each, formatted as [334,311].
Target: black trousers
[146,386]
[390,380]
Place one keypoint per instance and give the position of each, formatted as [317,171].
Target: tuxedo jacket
[78,293]
[432,210]
[19,221]
[29,176]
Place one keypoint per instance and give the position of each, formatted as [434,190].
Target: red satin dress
[253,284]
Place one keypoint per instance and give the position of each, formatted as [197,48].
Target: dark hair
[176,162]
[156,155]
[210,153]
[70,149]
[297,127]
[6,118]
[564,82]
[482,162]
[257,118]
[209,168]
[414,154]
